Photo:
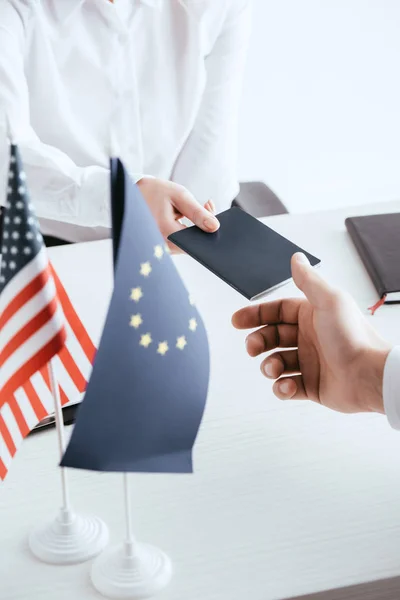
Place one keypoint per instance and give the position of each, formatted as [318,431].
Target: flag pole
[131,569]
[55,391]
[9,131]
[69,538]
[129,542]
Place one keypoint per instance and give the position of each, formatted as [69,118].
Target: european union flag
[145,399]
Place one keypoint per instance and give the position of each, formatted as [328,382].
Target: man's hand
[170,202]
[336,358]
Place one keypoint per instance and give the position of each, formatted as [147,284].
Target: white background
[321,104]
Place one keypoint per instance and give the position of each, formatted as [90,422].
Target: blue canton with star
[21,239]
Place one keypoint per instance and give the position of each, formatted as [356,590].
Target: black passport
[249,256]
[377,239]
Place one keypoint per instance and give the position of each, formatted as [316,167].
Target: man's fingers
[281,363]
[271,337]
[269,313]
[188,206]
[313,286]
[290,388]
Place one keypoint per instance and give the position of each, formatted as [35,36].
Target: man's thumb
[316,289]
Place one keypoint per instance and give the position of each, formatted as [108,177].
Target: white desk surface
[287,498]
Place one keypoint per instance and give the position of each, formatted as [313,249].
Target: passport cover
[377,240]
[249,256]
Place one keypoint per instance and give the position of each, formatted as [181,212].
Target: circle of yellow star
[191,300]
[145,340]
[167,250]
[136,294]
[136,321]
[162,348]
[145,269]
[181,342]
[158,252]
[192,324]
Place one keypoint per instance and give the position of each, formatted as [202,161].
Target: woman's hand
[170,202]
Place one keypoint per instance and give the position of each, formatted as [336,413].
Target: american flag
[37,323]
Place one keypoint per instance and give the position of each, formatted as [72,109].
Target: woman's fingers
[186,204]
[210,206]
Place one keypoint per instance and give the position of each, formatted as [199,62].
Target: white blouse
[162,78]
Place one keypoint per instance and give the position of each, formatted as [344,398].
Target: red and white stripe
[31,324]
[32,401]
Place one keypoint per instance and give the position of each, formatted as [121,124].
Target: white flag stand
[131,570]
[70,538]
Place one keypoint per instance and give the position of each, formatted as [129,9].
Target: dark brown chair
[257,199]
